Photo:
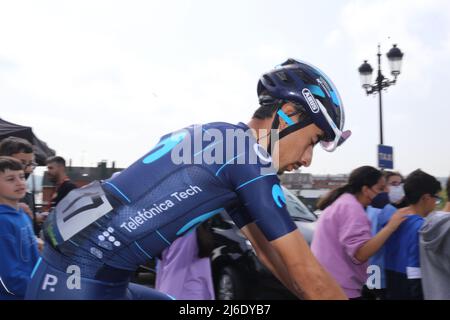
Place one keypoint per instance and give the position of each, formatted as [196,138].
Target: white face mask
[396,193]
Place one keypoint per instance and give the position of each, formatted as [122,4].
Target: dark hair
[13,145]
[419,183]
[56,159]
[360,177]
[10,163]
[388,174]
[265,112]
[268,106]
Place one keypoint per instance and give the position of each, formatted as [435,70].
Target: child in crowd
[19,252]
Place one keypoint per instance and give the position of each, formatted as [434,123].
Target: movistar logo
[311,100]
[278,195]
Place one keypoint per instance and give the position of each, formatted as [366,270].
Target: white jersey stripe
[4,286]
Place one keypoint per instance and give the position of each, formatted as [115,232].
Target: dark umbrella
[41,150]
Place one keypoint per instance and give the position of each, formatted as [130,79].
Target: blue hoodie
[402,261]
[18,252]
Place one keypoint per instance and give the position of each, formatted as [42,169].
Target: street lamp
[395,57]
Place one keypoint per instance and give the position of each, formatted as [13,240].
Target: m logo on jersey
[163,147]
[278,195]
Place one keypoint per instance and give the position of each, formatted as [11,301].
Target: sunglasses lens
[331,145]
[345,135]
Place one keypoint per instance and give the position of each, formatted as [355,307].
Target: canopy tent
[41,150]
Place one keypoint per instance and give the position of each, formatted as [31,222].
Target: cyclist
[98,235]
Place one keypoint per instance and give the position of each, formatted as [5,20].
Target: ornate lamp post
[395,57]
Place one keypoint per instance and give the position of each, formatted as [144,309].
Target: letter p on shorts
[49,281]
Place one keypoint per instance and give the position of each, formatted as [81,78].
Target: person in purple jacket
[343,242]
[184,270]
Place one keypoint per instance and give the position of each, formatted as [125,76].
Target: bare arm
[291,260]
[266,254]
[369,248]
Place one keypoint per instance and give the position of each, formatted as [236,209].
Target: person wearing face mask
[379,212]
[402,258]
[395,189]
[393,193]
[343,242]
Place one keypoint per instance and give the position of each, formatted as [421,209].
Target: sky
[103,80]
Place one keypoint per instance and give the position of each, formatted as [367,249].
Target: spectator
[22,150]
[56,171]
[402,263]
[379,213]
[435,253]
[18,246]
[184,271]
[395,189]
[342,241]
[393,194]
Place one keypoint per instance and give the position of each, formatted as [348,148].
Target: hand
[397,218]
[40,244]
[40,217]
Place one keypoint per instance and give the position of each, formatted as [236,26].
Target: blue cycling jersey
[109,228]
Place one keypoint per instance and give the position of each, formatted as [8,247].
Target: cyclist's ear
[288,108]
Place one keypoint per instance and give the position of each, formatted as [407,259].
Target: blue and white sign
[385,157]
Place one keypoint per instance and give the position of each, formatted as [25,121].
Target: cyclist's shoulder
[208,128]
[224,126]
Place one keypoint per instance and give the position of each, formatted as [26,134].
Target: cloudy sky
[105,79]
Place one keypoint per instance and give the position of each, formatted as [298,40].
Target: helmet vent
[283,76]
[303,76]
[269,81]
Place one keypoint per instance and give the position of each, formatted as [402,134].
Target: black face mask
[381,200]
